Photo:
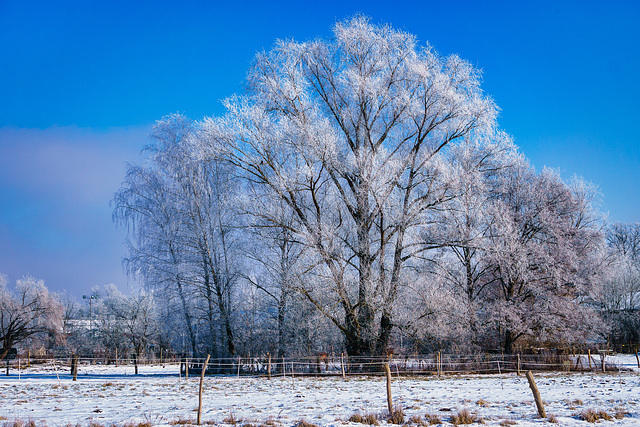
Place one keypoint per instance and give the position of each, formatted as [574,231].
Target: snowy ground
[109,395]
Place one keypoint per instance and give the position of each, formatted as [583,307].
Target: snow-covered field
[110,395]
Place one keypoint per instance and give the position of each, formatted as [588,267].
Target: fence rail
[335,365]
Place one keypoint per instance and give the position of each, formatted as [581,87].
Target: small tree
[135,316]
[29,310]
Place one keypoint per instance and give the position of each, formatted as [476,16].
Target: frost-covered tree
[133,318]
[461,229]
[26,311]
[348,134]
[177,208]
[620,296]
[545,246]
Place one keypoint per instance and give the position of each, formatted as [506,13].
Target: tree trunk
[135,361]
[509,339]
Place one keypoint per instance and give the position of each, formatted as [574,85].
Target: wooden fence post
[518,364]
[603,365]
[342,363]
[536,395]
[74,367]
[204,368]
[389,400]
[284,368]
[637,359]
[269,366]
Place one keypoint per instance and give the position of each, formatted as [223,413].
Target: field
[158,396]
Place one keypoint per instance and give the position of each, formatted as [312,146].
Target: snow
[109,394]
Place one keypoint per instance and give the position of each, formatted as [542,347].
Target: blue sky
[81,82]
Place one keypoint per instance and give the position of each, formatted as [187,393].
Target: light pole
[90,298]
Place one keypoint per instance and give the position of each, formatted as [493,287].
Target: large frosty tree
[348,134]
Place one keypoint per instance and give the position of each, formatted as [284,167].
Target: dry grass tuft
[368,419]
[552,419]
[417,420]
[620,414]
[304,423]
[182,422]
[465,417]
[231,419]
[482,403]
[396,417]
[506,423]
[432,419]
[592,416]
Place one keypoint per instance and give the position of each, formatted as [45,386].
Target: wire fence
[438,364]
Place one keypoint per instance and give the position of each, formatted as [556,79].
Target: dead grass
[482,403]
[465,417]
[305,423]
[20,423]
[592,416]
[432,419]
[506,423]
[552,419]
[620,414]
[369,419]
[231,419]
[396,417]
[181,422]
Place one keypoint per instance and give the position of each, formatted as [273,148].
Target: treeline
[359,196]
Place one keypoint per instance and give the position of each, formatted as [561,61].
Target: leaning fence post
[389,400]
[637,359]
[536,395]
[204,368]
